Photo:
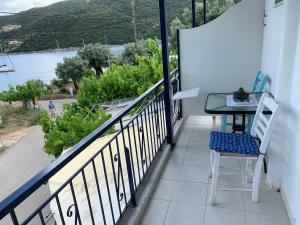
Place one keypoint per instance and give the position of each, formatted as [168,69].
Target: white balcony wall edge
[280,59]
[222,55]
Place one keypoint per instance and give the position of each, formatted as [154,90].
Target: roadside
[20,163]
[8,139]
[16,122]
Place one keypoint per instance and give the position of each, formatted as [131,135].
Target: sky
[21,5]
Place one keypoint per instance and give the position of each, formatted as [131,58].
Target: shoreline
[55,50]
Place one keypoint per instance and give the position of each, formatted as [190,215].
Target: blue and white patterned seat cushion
[233,143]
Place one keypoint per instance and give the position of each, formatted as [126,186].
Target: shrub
[66,131]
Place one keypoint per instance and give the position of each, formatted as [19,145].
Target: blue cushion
[233,143]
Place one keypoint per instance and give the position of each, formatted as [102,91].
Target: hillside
[72,21]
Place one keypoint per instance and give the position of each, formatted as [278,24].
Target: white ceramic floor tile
[190,192]
[231,163]
[253,218]
[155,212]
[222,216]
[201,134]
[164,189]
[198,146]
[181,145]
[171,171]
[185,181]
[229,181]
[263,185]
[197,159]
[269,201]
[185,214]
[228,199]
[176,157]
[194,174]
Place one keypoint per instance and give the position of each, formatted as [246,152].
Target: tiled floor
[181,196]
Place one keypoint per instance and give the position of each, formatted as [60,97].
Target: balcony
[141,175]
[181,194]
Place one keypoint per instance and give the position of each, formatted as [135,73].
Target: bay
[39,65]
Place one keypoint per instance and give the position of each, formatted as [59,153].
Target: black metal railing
[97,180]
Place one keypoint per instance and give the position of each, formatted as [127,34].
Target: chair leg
[211,164]
[248,170]
[215,177]
[250,122]
[256,178]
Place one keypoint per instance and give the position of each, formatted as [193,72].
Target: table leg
[244,123]
[233,123]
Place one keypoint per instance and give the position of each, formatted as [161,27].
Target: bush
[66,131]
[25,92]
[124,81]
[131,50]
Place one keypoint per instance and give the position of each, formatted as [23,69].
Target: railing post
[204,11]
[179,72]
[130,177]
[165,59]
[193,13]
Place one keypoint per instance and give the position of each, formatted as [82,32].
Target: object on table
[231,102]
[241,96]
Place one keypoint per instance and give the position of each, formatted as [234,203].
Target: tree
[97,55]
[28,91]
[67,130]
[214,9]
[176,24]
[73,68]
[126,80]
[89,92]
[130,51]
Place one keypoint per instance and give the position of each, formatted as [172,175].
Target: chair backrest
[263,124]
[260,82]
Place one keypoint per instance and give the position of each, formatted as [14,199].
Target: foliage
[175,25]
[131,50]
[97,55]
[70,22]
[66,131]
[124,81]
[214,9]
[13,118]
[89,92]
[27,91]
[72,68]
[59,83]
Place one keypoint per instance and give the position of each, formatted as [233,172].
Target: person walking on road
[52,109]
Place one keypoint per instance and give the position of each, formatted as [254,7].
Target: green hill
[72,21]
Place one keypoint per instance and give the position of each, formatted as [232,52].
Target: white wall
[281,57]
[272,42]
[222,55]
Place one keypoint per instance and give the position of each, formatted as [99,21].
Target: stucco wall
[222,55]
[281,57]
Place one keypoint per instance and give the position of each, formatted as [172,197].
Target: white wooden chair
[244,146]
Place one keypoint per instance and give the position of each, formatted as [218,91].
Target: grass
[16,117]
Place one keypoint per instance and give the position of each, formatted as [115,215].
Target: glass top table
[216,103]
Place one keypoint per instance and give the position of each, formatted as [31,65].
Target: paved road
[18,164]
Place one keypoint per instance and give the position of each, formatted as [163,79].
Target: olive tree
[97,55]
[131,50]
[73,68]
